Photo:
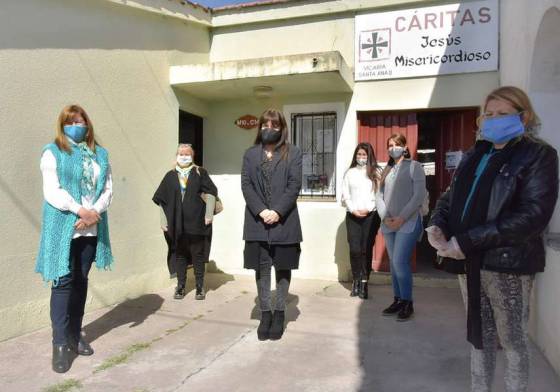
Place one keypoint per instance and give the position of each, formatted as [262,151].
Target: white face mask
[396,152]
[361,161]
[184,160]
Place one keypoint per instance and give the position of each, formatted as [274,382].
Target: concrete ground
[332,343]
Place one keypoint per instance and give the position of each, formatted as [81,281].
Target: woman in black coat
[488,227]
[187,218]
[271,182]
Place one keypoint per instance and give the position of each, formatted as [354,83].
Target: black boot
[264,326]
[200,294]
[61,358]
[363,289]
[355,288]
[80,347]
[406,311]
[393,308]
[277,327]
[180,292]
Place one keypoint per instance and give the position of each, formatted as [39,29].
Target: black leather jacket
[522,201]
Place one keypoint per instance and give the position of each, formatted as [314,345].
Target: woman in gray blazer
[399,200]
[271,182]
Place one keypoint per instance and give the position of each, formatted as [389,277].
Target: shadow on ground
[133,311]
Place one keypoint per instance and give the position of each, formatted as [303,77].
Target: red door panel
[455,130]
[376,128]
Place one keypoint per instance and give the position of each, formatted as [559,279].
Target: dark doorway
[190,131]
[431,134]
[442,136]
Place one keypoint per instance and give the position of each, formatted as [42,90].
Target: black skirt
[284,257]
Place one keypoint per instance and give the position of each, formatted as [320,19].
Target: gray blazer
[403,192]
[286,185]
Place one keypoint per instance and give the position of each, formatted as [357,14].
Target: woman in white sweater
[362,221]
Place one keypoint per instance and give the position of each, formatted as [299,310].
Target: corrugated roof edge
[195,5]
[252,4]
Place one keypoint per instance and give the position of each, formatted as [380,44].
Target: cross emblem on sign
[372,45]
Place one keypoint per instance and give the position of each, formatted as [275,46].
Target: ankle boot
[277,327]
[200,294]
[180,292]
[406,311]
[363,289]
[80,347]
[264,326]
[394,308]
[355,288]
[61,358]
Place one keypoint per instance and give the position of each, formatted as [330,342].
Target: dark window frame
[328,195]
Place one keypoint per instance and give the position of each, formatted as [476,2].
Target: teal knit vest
[53,260]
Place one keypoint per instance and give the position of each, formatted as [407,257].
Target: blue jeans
[68,297]
[400,247]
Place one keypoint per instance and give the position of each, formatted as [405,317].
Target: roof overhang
[180,9]
[311,73]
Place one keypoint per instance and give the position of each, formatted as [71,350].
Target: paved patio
[332,343]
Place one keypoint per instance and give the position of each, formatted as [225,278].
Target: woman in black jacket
[271,182]
[488,227]
[187,218]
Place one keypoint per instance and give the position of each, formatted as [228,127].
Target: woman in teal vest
[77,187]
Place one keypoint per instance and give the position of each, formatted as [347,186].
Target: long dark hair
[400,140]
[372,168]
[278,120]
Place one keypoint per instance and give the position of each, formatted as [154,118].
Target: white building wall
[530,59]
[113,60]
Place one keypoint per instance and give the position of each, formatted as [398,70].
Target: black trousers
[361,234]
[190,247]
[68,296]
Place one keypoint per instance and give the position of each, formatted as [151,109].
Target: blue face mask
[76,132]
[500,130]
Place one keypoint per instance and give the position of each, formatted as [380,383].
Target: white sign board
[445,39]
[452,159]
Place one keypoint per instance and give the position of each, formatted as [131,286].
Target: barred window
[315,135]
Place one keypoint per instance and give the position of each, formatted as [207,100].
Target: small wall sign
[248,121]
[452,159]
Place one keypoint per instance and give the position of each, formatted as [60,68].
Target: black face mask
[270,136]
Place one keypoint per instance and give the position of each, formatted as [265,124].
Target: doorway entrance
[436,138]
[190,131]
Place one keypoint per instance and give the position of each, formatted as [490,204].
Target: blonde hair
[520,101]
[65,117]
[185,145]
[179,147]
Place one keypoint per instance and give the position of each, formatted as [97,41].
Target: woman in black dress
[271,182]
